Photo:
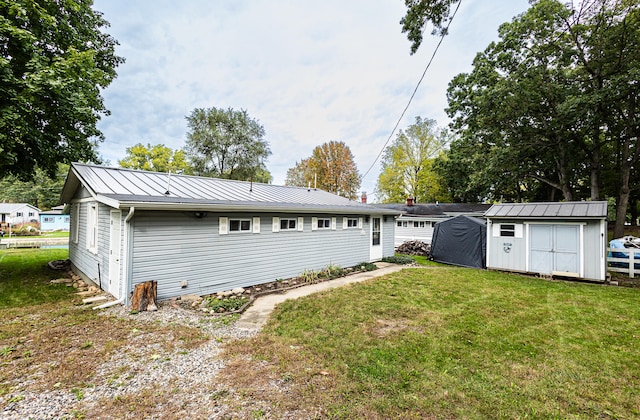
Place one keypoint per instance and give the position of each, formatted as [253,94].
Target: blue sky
[308,71]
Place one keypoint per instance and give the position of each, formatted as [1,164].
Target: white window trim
[345,223]
[76,223]
[288,229]
[92,227]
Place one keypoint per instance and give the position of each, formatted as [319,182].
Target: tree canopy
[54,60]
[407,165]
[421,13]
[42,191]
[330,167]
[550,111]
[158,158]
[227,144]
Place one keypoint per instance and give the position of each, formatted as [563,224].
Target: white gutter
[123,295]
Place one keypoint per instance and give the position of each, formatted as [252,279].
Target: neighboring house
[54,220]
[562,239]
[418,220]
[196,235]
[16,213]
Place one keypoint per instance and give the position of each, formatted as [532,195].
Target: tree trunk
[622,201]
[144,297]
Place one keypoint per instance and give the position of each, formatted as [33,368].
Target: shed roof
[566,210]
[118,187]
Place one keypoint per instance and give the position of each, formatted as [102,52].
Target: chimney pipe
[363,198]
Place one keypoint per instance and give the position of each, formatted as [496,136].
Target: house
[460,240]
[54,220]
[560,239]
[417,221]
[196,235]
[17,213]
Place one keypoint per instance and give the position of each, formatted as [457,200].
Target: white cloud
[309,71]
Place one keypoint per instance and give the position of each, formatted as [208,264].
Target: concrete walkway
[258,313]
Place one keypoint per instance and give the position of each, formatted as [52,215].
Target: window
[31,214]
[399,223]
[375,231]
[421,224]
[48,219]
[352,222]
[239,225]
[507,230]
[288,224]
[19,214]
[92,228]
[324,223]
[416,224]
[433,224]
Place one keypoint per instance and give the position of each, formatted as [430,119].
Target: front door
[114,253]
[554,248]
[376,239]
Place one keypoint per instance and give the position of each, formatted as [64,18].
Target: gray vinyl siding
[93,266]
[506,252]
[171,247]
[515,258]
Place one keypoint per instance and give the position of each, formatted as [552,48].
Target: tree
[407,165]
[553,106]
[54,59]
[42,191]
[331,167]
[227,144]
[422,12]
[159,158]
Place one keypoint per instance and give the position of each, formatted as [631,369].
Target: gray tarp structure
[461,240]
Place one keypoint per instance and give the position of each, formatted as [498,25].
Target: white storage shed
[557,239]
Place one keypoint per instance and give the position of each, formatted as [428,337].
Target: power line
[444,32]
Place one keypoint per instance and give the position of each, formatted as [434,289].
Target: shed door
[114,253]
[554,248]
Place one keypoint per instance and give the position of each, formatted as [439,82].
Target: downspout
[125,280]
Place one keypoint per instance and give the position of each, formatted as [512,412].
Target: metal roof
[438,209]
[8,208]
[566,210]
[120,187]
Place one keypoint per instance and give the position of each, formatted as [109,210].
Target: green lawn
[445,342]
[24,277]
[54,235]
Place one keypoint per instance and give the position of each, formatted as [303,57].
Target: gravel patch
[139,367]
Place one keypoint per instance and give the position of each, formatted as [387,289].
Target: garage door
[554,249]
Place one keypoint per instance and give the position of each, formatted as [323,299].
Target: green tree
[42,191]
[54,60]
[158,158]
[331,167]
[227,144]
[421,13]
[407,165]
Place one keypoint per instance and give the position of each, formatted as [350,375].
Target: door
[114,253]
[554,249]
[376,239]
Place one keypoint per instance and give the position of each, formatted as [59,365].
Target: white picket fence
[624,264]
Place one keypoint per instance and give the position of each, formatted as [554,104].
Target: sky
[308,71]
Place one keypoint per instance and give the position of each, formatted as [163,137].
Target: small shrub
[332,271]
[229,304]
[399,259]
[366,266]
[309,276]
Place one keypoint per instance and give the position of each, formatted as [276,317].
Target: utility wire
[444,32]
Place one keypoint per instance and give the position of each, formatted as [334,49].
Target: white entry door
[114,253]
[376,239]
[554,249]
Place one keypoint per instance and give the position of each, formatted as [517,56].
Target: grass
[58,234]
[25,276]
[449,343]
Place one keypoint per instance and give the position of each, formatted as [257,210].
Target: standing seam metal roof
[134,186]
[568,210]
